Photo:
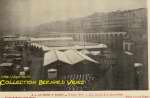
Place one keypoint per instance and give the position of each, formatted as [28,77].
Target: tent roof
[62,57]
[73,56]
[70,57]
[49,58]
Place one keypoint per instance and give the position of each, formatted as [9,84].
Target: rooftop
[70,57]
[64,46]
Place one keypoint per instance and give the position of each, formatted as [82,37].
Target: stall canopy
[70,57]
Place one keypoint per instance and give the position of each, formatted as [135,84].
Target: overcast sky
[20,13]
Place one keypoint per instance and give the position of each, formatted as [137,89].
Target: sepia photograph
[73,45]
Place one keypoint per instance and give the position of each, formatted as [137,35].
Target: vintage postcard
[52,48]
